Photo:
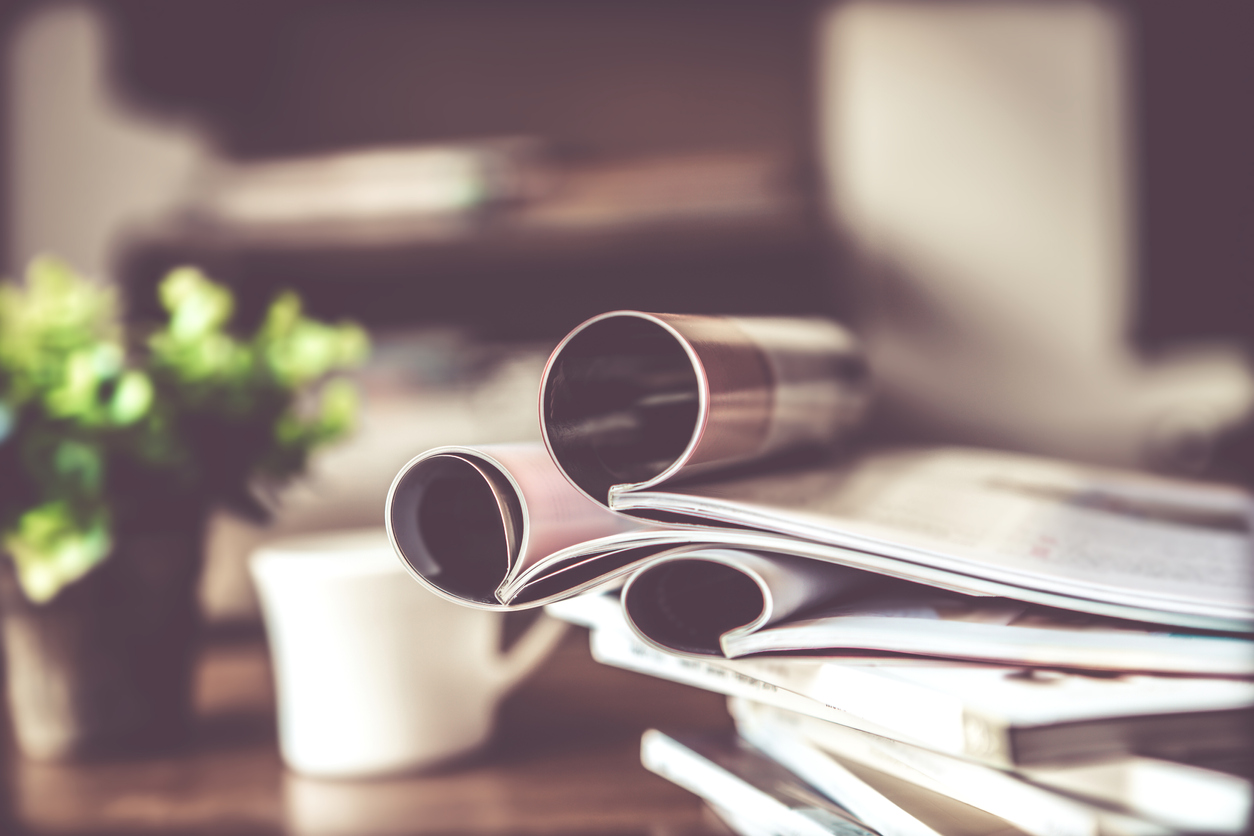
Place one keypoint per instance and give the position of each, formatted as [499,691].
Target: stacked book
[913,640]
[912,745]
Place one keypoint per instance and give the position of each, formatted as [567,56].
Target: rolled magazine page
[632,399]
[692,602]
[466,520]
[501,527]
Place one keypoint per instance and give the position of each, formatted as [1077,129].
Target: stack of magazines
[924,640]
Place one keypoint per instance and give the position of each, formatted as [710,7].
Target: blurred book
[756,794]
[1127,795]
[502,185]
[367,195]
[894,787]
[680,188]
[747,787]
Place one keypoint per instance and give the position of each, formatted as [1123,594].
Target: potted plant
[114,445]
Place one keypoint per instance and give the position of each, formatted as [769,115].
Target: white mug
[373,673]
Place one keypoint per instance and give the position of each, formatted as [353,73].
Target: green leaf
[282,315]
[51,549]
[131,399]
[340,403]
[197,305]
[80,464]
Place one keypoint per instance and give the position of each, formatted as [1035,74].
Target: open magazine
[693,457]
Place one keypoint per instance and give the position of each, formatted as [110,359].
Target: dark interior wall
[595,79]
[277,76]
[10,13]
[1195,80]
[610,77]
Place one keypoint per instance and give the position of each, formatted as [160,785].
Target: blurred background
[1037,214]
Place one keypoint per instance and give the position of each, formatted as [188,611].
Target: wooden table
[564,760]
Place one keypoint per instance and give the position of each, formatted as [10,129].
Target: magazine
[739,780]
[499,526]
[764,794]
[709,443]
[1002,716]
[1098,798]
[898,618]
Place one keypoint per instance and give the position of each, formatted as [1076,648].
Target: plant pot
[104,669]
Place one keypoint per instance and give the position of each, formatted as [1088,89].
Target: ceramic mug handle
[530,650]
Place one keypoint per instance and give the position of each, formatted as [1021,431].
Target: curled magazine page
[665,435]
[631,399]
[499,527]
[693,601]
[466,520]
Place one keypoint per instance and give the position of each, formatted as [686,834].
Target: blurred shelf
[565,760]
[713,233]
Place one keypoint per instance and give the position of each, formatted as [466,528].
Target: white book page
[1086,532]
[1033,698]
[1190,798]
[935,692]
[960,709]
[995,630]
[995,791]
[1014,795]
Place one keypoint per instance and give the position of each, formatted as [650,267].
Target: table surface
[564,760]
